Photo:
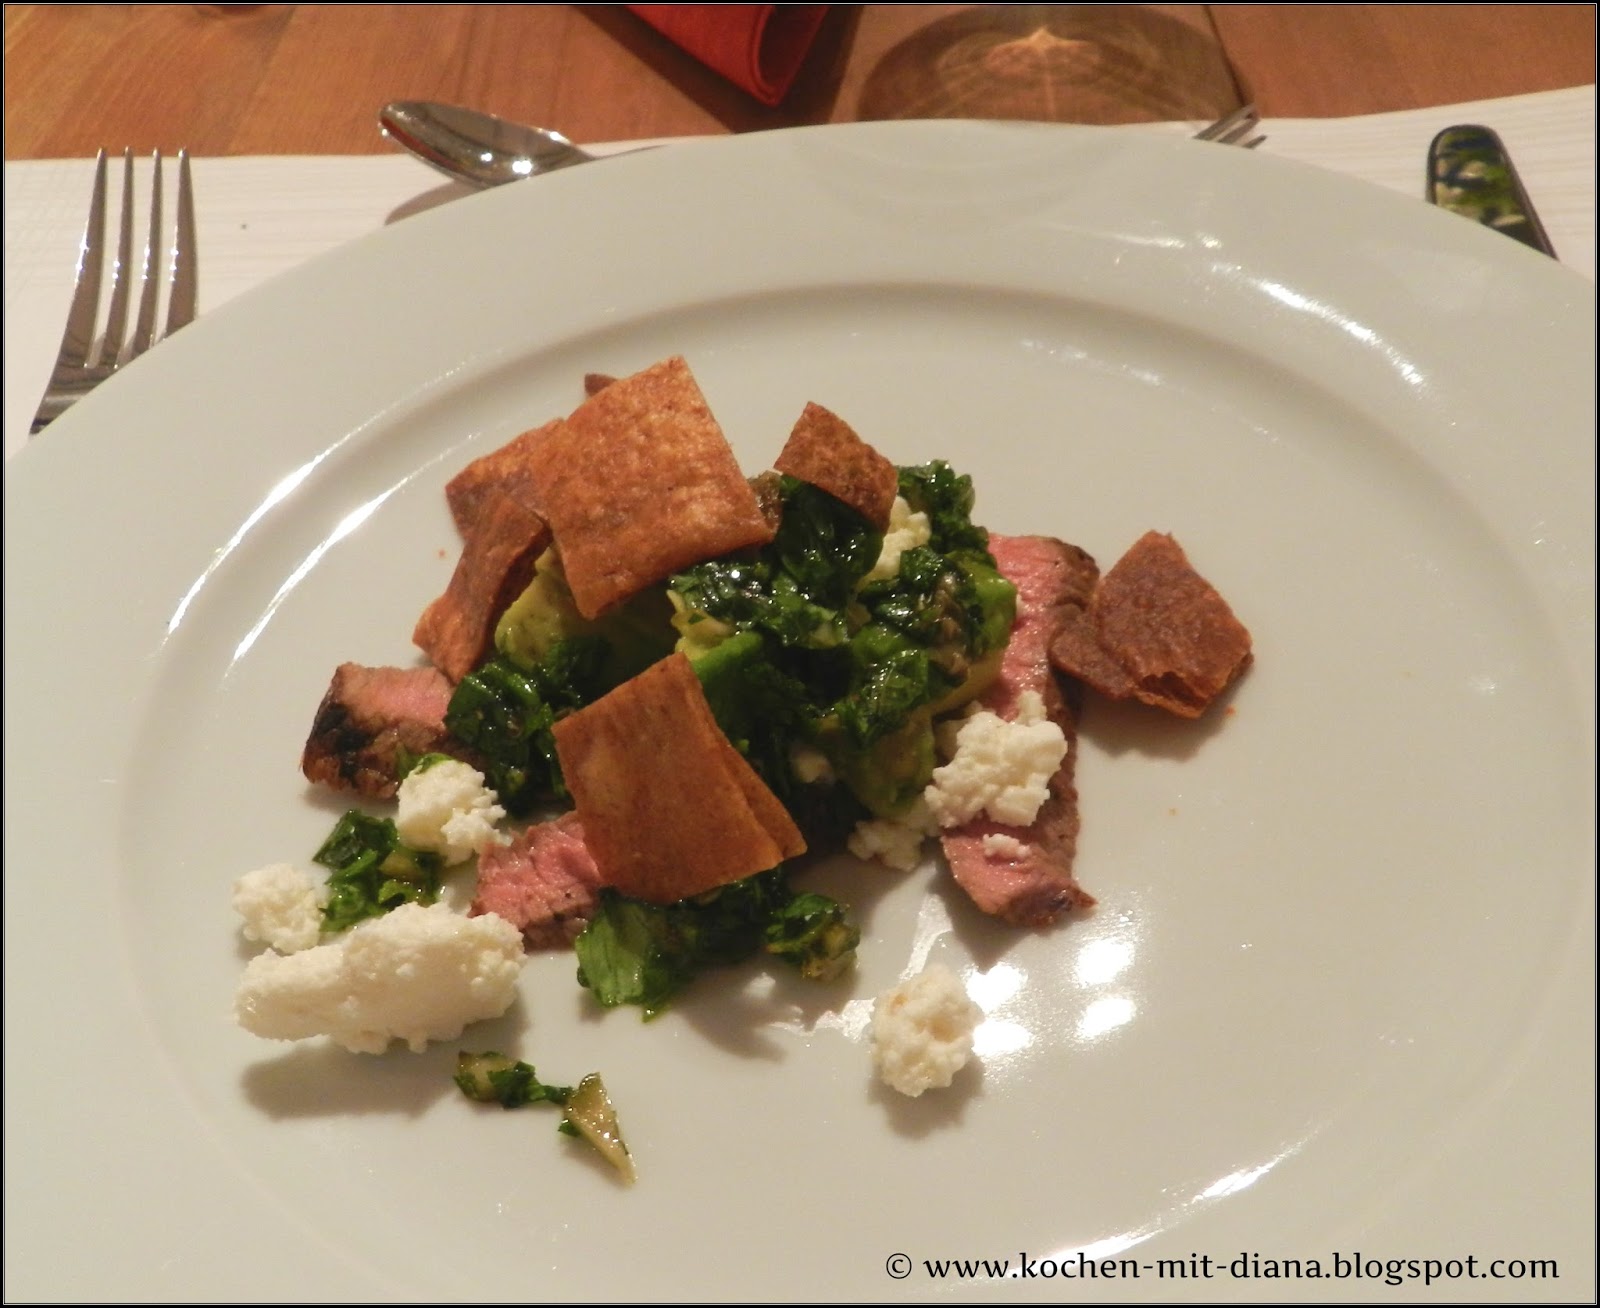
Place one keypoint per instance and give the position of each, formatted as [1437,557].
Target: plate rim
[47,469]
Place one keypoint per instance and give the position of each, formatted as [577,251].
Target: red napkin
[759,48]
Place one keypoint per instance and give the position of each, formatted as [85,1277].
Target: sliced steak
[1024,875]
[369,720]
[544,882]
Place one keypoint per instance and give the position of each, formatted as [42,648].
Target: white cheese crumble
[906,531]
[809,764]
[446,808]
[922,1031]
[998,845]
[895,842]
[1000,768]
[281,906]
[415,974]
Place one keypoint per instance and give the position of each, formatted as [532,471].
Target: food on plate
[372,723]
[417,974]
[280,906]
[684,815]
[445,809]
[371,872]
[1025,876]
[1156,631]
[456,631]
[638,482]
[500,472]
[922,1031]
[636,952]
[543,881]
[825,451]
[655,684]
[587,1113]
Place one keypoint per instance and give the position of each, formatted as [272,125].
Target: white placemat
[258,217]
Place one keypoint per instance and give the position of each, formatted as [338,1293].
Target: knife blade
[1471,173]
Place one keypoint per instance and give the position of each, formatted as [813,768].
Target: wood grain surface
[309,79]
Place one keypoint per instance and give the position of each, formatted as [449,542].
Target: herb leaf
[633,952]
[372,872]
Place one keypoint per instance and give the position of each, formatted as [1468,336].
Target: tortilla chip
[669,807]
[1156,631]
[503,470]
[640,483]
[824,451]
[456,631]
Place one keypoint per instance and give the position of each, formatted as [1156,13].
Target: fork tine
[78,338]
[1231,129]
[74,376]
[144,333]
[185,270]
[117,311]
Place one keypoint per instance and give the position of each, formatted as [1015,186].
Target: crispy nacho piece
[824,450]
[503,470]
[456,631]
[1156,631]
[669,807]
[639,483]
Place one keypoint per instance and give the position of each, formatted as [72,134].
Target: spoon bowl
[476,148]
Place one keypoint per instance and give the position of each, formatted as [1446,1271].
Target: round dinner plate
[1329,1032]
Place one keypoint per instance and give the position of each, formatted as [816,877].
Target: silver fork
[1234,129]
[89,355]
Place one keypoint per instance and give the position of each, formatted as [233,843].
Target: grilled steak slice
[369,720]
[544,882]
[1024,875]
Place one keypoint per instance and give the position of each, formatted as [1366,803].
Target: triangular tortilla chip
[640,483]
[825,451]
[669,807]
[497,560]
[503,470]
[1156,631]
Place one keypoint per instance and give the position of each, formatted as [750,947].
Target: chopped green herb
[811,932]
[493,1078]
[505,712]
[587,1113]
[633,952]
[371,872]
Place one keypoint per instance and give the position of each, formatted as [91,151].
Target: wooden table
[308,79]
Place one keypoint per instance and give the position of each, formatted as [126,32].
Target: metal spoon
[1470,173]
[476,148]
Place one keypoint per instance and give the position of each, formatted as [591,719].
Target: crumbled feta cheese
[894,842]
[447,808]
[281,907]
[415,974]
[922,1031]
[809,764]
[998,845]
[1001,768]
[906,531]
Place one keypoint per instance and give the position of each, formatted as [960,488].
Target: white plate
[1336,999]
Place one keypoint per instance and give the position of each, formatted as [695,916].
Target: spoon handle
[1471,173]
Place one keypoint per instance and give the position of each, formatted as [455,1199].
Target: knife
[1470,173]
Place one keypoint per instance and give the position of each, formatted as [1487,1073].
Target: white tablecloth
[258,217]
